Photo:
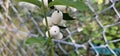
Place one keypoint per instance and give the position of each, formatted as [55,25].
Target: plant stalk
[49,40]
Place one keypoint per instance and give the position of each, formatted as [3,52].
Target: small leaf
[95,34]
[76,4]
[52,7]
[115,28]
[35,2]
[113,32]
[117,35]
[109,37]
[98,42]
[34,40]
[112,46]
[67,17]
[85,31]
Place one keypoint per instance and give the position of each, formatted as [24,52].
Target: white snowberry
[46,34]
[79,29]
[49,19]
[57,16]
[60,7]
[59,36]
[73,9]
[54,30]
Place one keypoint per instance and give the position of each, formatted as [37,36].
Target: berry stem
[49,40]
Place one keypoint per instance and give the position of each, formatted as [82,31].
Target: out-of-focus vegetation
[83,28]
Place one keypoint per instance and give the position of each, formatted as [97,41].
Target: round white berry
[73,9]
[57,16]
[60,7]
[54,30]
[79,29]
[45,3]
[49,19]
[46,34]
[59,36]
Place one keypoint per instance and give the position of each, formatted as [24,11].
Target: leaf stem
[49,40]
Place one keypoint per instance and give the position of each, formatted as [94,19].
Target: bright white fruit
[46,34]
[79,29]
[60,7]
[46,3]
[57,16]
[49,19]
[54,30]
[73,9]
[59,36]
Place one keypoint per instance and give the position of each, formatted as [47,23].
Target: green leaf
[112,46]
[85,32]
[34,40]
[93,1]
[108,31]
[72,53]
[97,41]
[113,32]
[95,34]
[115,28]
[35,2]
[117,35]
[76,4]
[109,37]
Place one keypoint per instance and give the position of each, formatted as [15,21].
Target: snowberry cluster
[55,19]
